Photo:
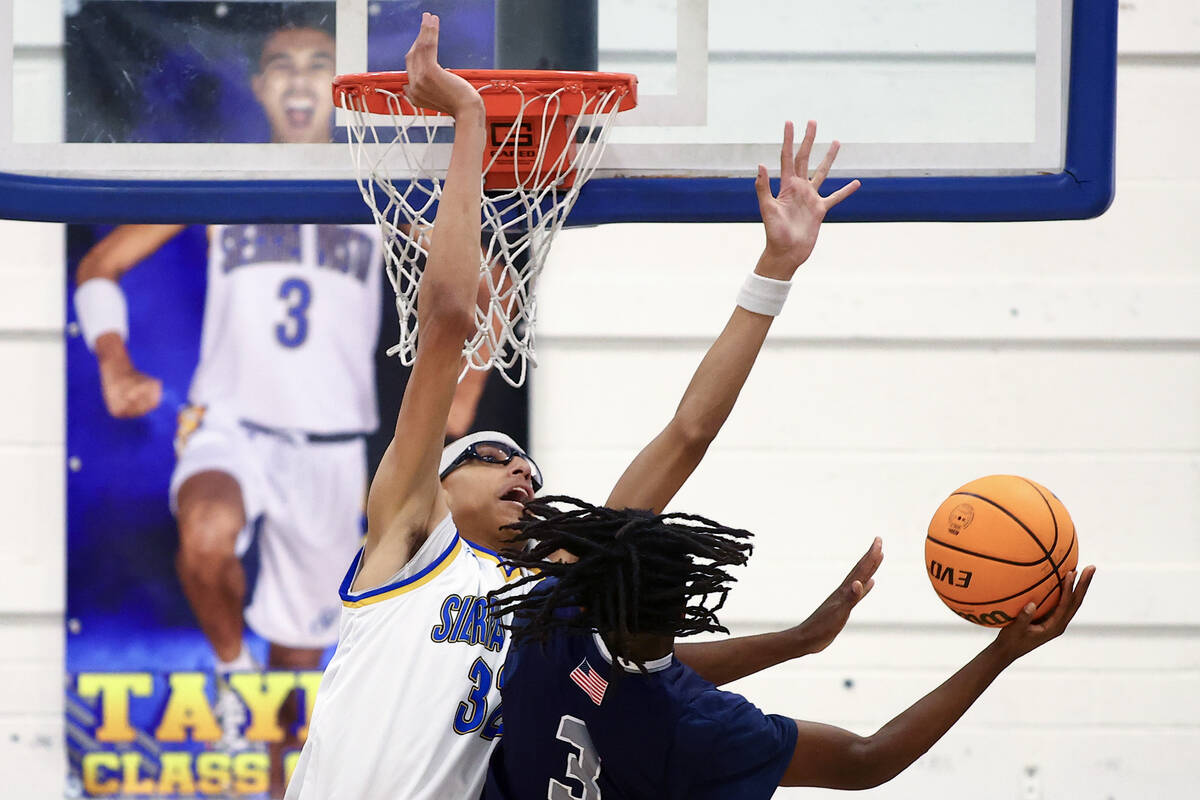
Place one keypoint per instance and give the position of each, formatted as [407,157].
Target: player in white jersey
[272,441]
[408,707]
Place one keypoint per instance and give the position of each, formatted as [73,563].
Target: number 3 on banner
[583,765]
[298,295]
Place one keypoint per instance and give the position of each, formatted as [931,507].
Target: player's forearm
[111,351]
[907,737]
[729,660]
[717,382]
[451,277]
[663,466]
[122,249]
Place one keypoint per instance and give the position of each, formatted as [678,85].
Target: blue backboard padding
[1083,190]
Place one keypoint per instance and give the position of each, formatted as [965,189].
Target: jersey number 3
[297,294]
[583,765]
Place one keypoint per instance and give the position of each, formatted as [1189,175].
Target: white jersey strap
[437,552]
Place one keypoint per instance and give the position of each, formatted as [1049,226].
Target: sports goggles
[495,453]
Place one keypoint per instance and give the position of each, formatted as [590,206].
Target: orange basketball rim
[533,116]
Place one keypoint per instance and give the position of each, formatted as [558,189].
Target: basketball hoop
[546,132]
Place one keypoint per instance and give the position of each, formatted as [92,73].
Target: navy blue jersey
[571,732]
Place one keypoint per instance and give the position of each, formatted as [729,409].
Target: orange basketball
[997,544]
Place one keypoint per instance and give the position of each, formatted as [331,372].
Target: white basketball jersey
[291,320]
[409,706]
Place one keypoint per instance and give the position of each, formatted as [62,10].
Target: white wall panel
[32,544]
[1153,120]
[1130,274]
[31,274]
[1055,763]
[31,749]
[1158,27]
[1035,698]
[920,396]
[31,405]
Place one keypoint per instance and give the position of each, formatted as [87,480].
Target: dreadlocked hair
[635,572]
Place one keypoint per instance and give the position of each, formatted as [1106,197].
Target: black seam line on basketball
[1054,518]
[1018,594]
[1046,596]
[997,559]
[1046,554]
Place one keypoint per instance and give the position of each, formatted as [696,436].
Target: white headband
[459,446]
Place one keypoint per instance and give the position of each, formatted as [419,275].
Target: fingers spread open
[810,136]
[827,162]
[842,193]
[762,185]
[785,152]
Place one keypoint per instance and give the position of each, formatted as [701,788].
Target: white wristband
[763,295]
[100,309]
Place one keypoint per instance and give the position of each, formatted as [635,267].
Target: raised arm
[792,220]
[406,499]
[729,660]
[834,758]
[100,310]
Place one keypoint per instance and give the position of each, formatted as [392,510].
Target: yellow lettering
[212,773]
[114,689]
[96,784]
[250,773]
[188,710]
[132,781]
[309,682]
[175,776]
[264,694]
[289,765]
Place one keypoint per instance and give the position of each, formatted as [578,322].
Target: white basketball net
[400,161]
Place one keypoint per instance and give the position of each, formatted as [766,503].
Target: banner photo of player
[225,386]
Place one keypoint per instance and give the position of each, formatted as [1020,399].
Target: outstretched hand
[1023,635]
[793,217]
[429,85]
[824,624]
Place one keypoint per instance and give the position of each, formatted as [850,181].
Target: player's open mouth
[517,494]
[300,111]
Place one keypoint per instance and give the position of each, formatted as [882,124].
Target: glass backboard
[177,110]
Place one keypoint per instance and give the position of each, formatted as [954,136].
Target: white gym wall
[910,359]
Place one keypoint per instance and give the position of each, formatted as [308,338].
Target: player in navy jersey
[577,726]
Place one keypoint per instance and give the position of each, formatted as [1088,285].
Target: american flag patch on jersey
[590,681]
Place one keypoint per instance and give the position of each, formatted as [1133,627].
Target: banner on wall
[224,448]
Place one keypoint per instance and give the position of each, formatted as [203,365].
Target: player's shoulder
[725,747]
[432,564]
[710,713]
